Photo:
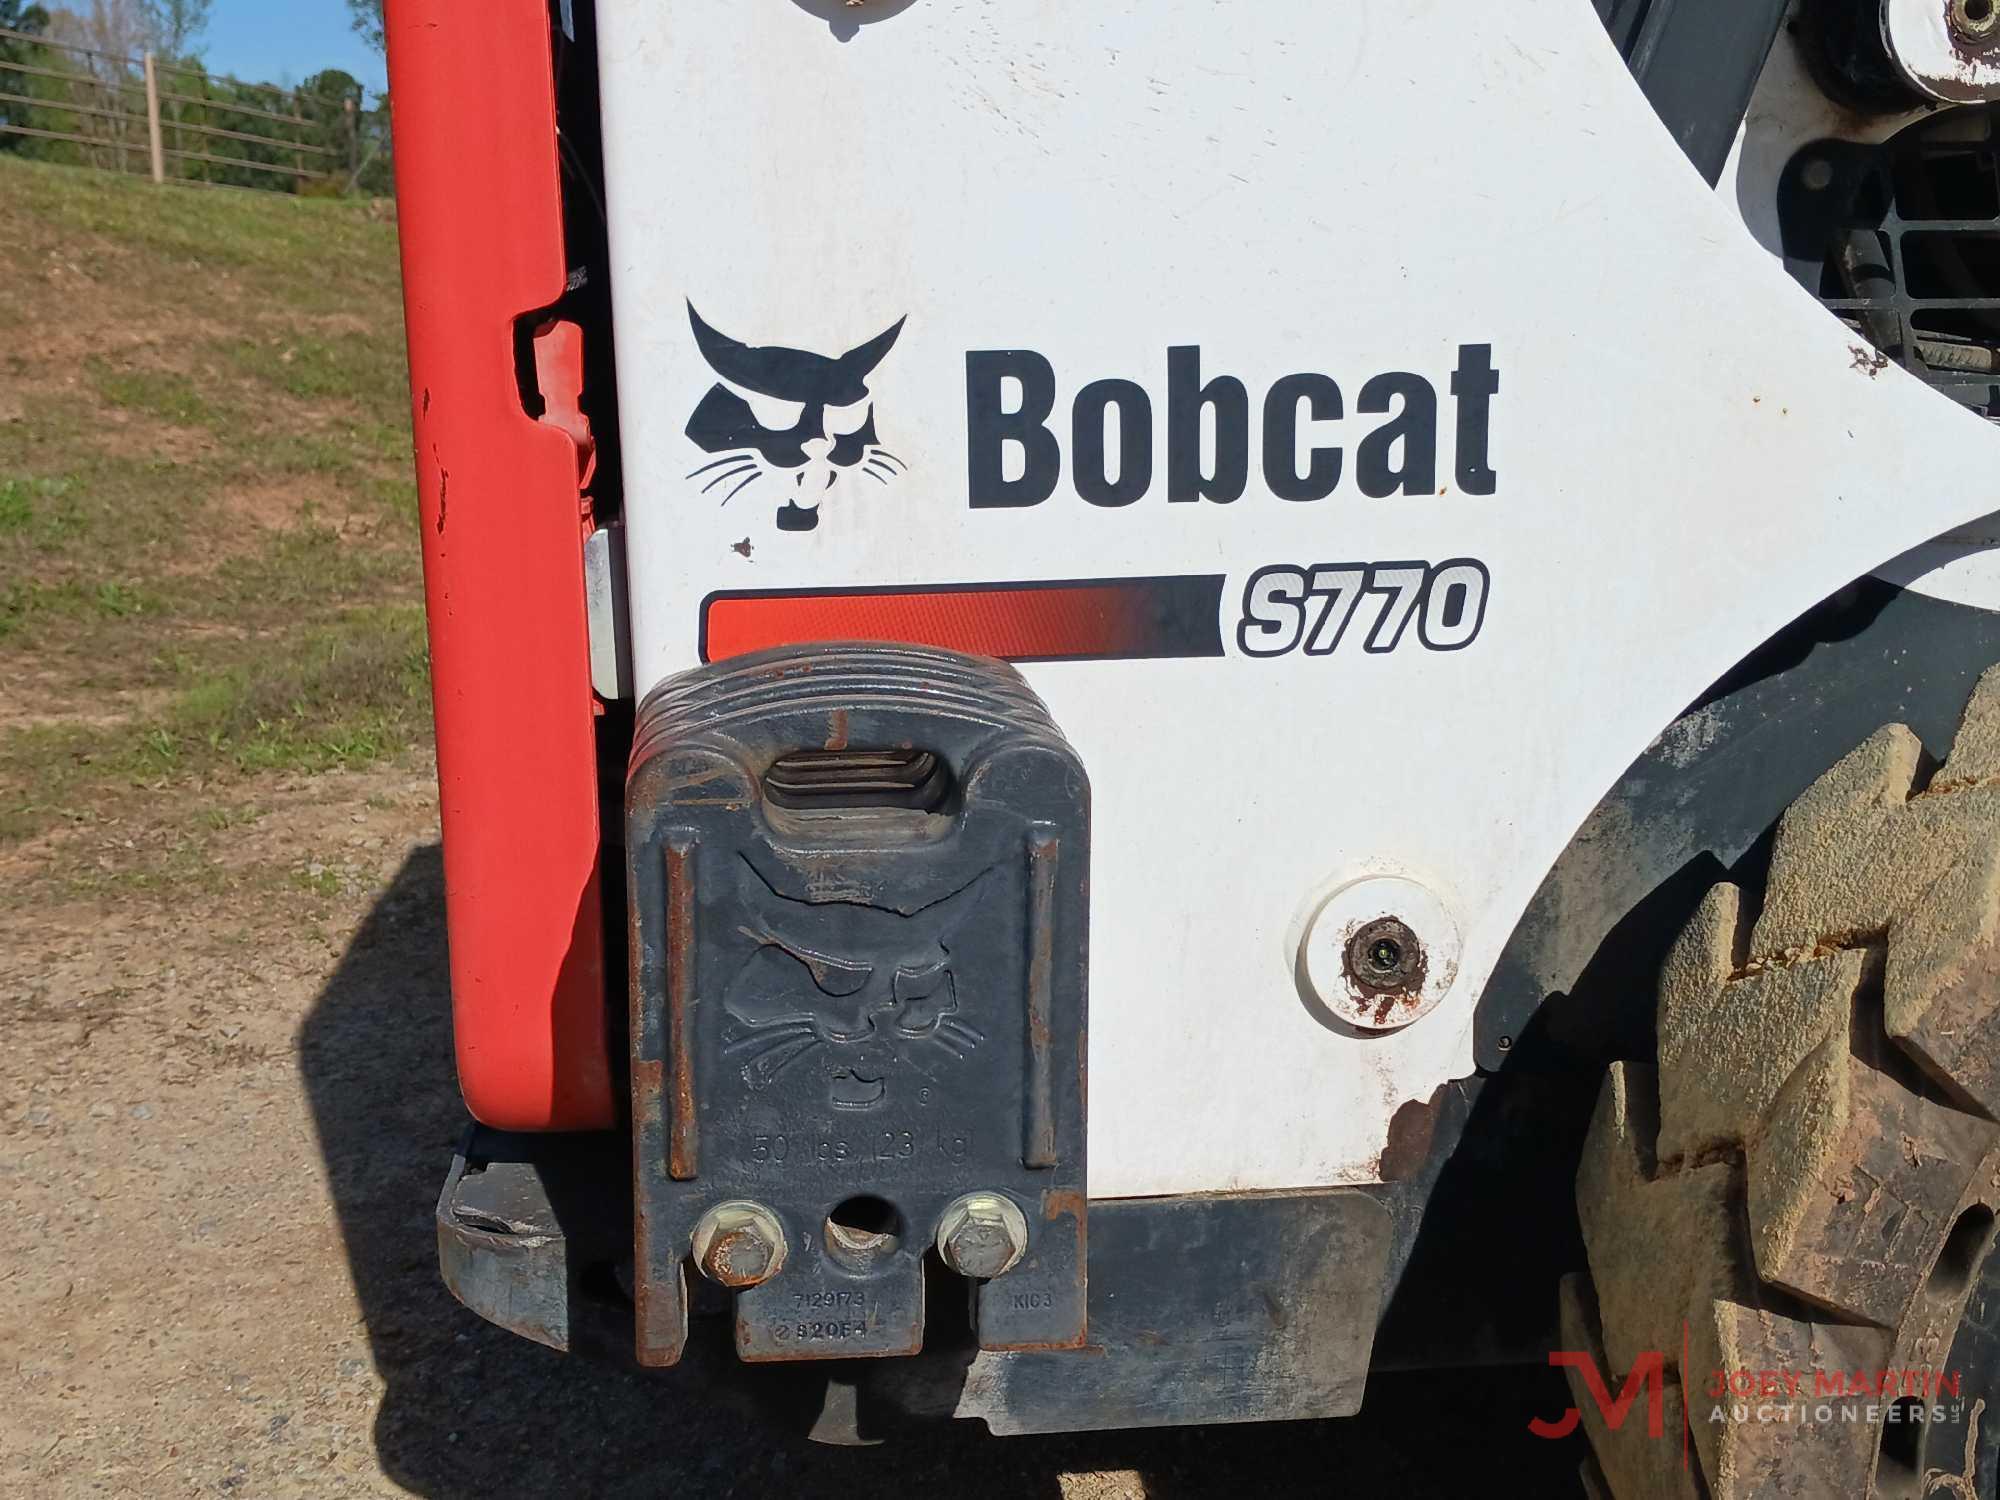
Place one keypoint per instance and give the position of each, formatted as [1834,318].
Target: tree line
[88,107]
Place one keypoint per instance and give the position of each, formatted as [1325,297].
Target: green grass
[172,397]
[17,504]
[324,884]
[313,254]
[307,565]
[41,506]
[348,366]
[346,694]
[206,509]
[70,601]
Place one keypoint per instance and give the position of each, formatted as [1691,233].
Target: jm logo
[1648,1374]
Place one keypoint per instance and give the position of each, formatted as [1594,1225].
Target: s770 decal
[1317,608]
[1325,607]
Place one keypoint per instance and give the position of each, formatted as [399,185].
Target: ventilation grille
[1902,243]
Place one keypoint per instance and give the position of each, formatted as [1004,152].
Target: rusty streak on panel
[1411,1129]
[1039,1147]
[683,1137]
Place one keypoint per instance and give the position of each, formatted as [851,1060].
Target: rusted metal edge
[514,1279]
[1038,1149]
[659,1322]
[683,1135]
[664,1140]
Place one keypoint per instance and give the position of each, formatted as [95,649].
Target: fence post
[153,121]
[352,110]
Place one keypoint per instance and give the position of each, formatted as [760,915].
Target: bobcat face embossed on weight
[861,988]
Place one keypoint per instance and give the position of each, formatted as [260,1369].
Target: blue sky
[286,41]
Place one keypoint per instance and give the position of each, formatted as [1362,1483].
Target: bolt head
[1386,956]
[983,1235]
[1975,20]
[1376,954]
[739,1244]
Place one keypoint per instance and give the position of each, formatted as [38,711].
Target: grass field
[208,564]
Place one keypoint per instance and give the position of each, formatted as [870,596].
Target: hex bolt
[982,1235]
[1386,957]
[1975,20]
[739,1244]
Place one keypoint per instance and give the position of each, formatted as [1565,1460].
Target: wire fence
[182,124]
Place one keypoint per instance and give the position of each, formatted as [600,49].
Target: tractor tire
[1804,1189]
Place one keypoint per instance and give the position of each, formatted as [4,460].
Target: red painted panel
[479,202]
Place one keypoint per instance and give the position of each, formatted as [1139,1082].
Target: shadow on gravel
[472,1411]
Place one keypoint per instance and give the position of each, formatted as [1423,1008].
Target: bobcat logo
[856,984]
[798,419]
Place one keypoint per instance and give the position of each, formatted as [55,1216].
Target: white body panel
[1689,452]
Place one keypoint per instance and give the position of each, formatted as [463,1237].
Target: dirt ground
[226,1094]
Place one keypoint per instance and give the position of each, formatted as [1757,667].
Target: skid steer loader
[1143,705]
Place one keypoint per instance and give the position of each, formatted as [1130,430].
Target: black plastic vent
[1902,243]
[843,780]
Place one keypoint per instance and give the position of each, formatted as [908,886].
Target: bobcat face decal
[799,420]
[859,987]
